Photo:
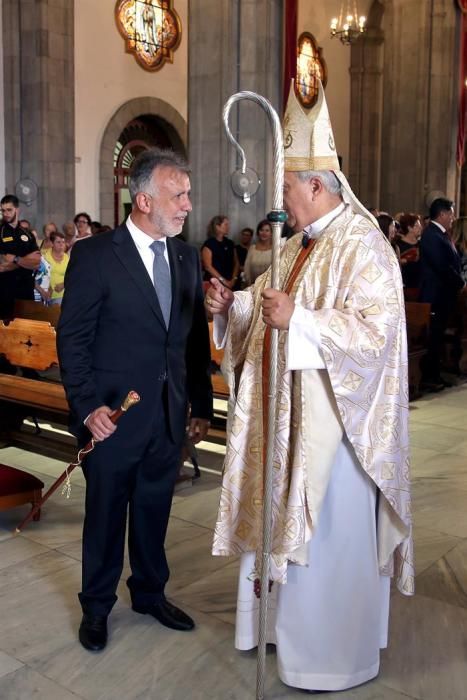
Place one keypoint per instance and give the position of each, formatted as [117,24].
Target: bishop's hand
[278,308]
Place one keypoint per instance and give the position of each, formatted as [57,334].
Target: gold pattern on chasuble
[365,456]
[385,428]
[243,530]
[359,428]
[388,470]
[373,310]
[406,469]
[338,325]
[352,381]
[391,386]
[393,302]
[238,479]
[237,425]
[291,528]
[371,273]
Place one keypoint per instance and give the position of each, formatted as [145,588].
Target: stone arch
[174,123]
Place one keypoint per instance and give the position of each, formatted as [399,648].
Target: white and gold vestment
[351,283]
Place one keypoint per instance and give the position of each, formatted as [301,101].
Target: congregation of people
[34,264]
[431,250]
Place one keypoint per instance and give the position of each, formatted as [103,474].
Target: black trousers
[134,470]
[431,363]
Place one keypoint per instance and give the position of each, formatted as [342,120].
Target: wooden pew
[32,345]
[36,311]
[418,325]
[454,358]
[29,343]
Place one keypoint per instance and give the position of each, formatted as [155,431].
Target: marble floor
[40,576]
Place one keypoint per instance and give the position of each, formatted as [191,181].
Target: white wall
[2,111]
[105,78]
[315,17]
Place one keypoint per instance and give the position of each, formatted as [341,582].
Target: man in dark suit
[440,283]
[133,318]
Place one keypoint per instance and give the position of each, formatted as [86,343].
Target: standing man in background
[19,257]
[133,318]
[440,282]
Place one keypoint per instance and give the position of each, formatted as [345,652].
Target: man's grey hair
[145,164]
[326,177]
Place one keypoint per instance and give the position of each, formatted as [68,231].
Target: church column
[233,45]
[38,54]
[420,103]
[366,106]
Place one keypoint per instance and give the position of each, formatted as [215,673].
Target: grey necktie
[162,282]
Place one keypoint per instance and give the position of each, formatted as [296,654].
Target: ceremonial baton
[276,217]
[130,400]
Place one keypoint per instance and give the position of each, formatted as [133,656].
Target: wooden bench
[36,311]
[454,359]
[418,326]
[31,344]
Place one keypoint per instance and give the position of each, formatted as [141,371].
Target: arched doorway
[137,125]
[138,135]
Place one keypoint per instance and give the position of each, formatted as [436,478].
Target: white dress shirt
[143,244]
[438,225]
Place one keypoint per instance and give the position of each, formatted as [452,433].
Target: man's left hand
[278,308]
[198,429]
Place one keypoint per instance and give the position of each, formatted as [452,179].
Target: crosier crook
[276,217]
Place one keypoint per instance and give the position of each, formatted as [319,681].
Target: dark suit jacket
[440,275]
[112,336]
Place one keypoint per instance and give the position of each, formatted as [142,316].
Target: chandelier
[349,25]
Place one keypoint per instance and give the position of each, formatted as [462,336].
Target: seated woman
[218,254]
[409,236]
[260,253]
[58,260]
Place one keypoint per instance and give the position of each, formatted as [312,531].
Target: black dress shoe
[168,615]
[93,632]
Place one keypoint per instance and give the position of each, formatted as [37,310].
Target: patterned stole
[298,264]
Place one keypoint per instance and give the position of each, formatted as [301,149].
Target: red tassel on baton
[131,399]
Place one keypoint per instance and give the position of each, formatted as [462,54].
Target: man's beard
[12,222]
[166,226]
